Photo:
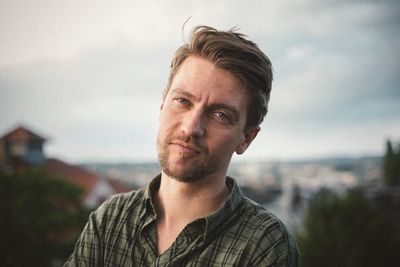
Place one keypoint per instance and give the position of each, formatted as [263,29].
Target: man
[192,214]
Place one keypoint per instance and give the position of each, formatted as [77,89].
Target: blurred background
[80,90]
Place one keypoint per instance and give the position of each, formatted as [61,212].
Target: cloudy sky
[88,75]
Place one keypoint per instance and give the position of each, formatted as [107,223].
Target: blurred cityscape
[283,187]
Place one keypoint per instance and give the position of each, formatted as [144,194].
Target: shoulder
[270,242]
[105,228]
[119,206]
[123,200]
[260,217]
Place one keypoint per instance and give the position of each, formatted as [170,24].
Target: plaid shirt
[122,232]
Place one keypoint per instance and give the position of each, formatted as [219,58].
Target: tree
[350,230]
[41,217]
[391,165]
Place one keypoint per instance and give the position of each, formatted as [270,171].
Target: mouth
[185,147]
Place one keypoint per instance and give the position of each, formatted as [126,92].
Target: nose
[193,124]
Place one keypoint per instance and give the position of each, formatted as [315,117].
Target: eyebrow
[185,93]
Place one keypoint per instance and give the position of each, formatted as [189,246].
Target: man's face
[202,121]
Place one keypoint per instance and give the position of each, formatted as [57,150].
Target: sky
[89,75]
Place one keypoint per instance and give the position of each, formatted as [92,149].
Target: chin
[187,172]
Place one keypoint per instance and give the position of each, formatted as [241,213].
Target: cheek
[227,143]
[165,119]
[168,115]
[168,126]
[162,132]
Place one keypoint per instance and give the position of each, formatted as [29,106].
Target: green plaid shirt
[122,232]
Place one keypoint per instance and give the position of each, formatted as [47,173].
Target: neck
[178,204]
[188,201]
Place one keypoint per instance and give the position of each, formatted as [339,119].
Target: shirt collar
[150,211]
[152,187]
[210,223]
[224,215]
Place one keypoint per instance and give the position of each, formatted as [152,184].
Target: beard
[184,168]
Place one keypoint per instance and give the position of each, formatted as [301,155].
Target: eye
[182,101]
[222,116]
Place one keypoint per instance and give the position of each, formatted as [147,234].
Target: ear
[248,137]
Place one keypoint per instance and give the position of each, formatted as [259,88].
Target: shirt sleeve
[275,246]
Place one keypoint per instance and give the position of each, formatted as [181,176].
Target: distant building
[21,149]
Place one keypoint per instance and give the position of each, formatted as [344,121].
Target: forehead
[203,78]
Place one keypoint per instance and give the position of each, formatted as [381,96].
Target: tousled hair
[233,52]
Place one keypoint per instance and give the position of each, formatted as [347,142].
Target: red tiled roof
[21,133]
[118,186]
[73,174]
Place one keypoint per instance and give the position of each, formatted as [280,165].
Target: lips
[185,147]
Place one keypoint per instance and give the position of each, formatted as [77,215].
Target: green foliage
[41,217]
[349,231]
[391,165]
